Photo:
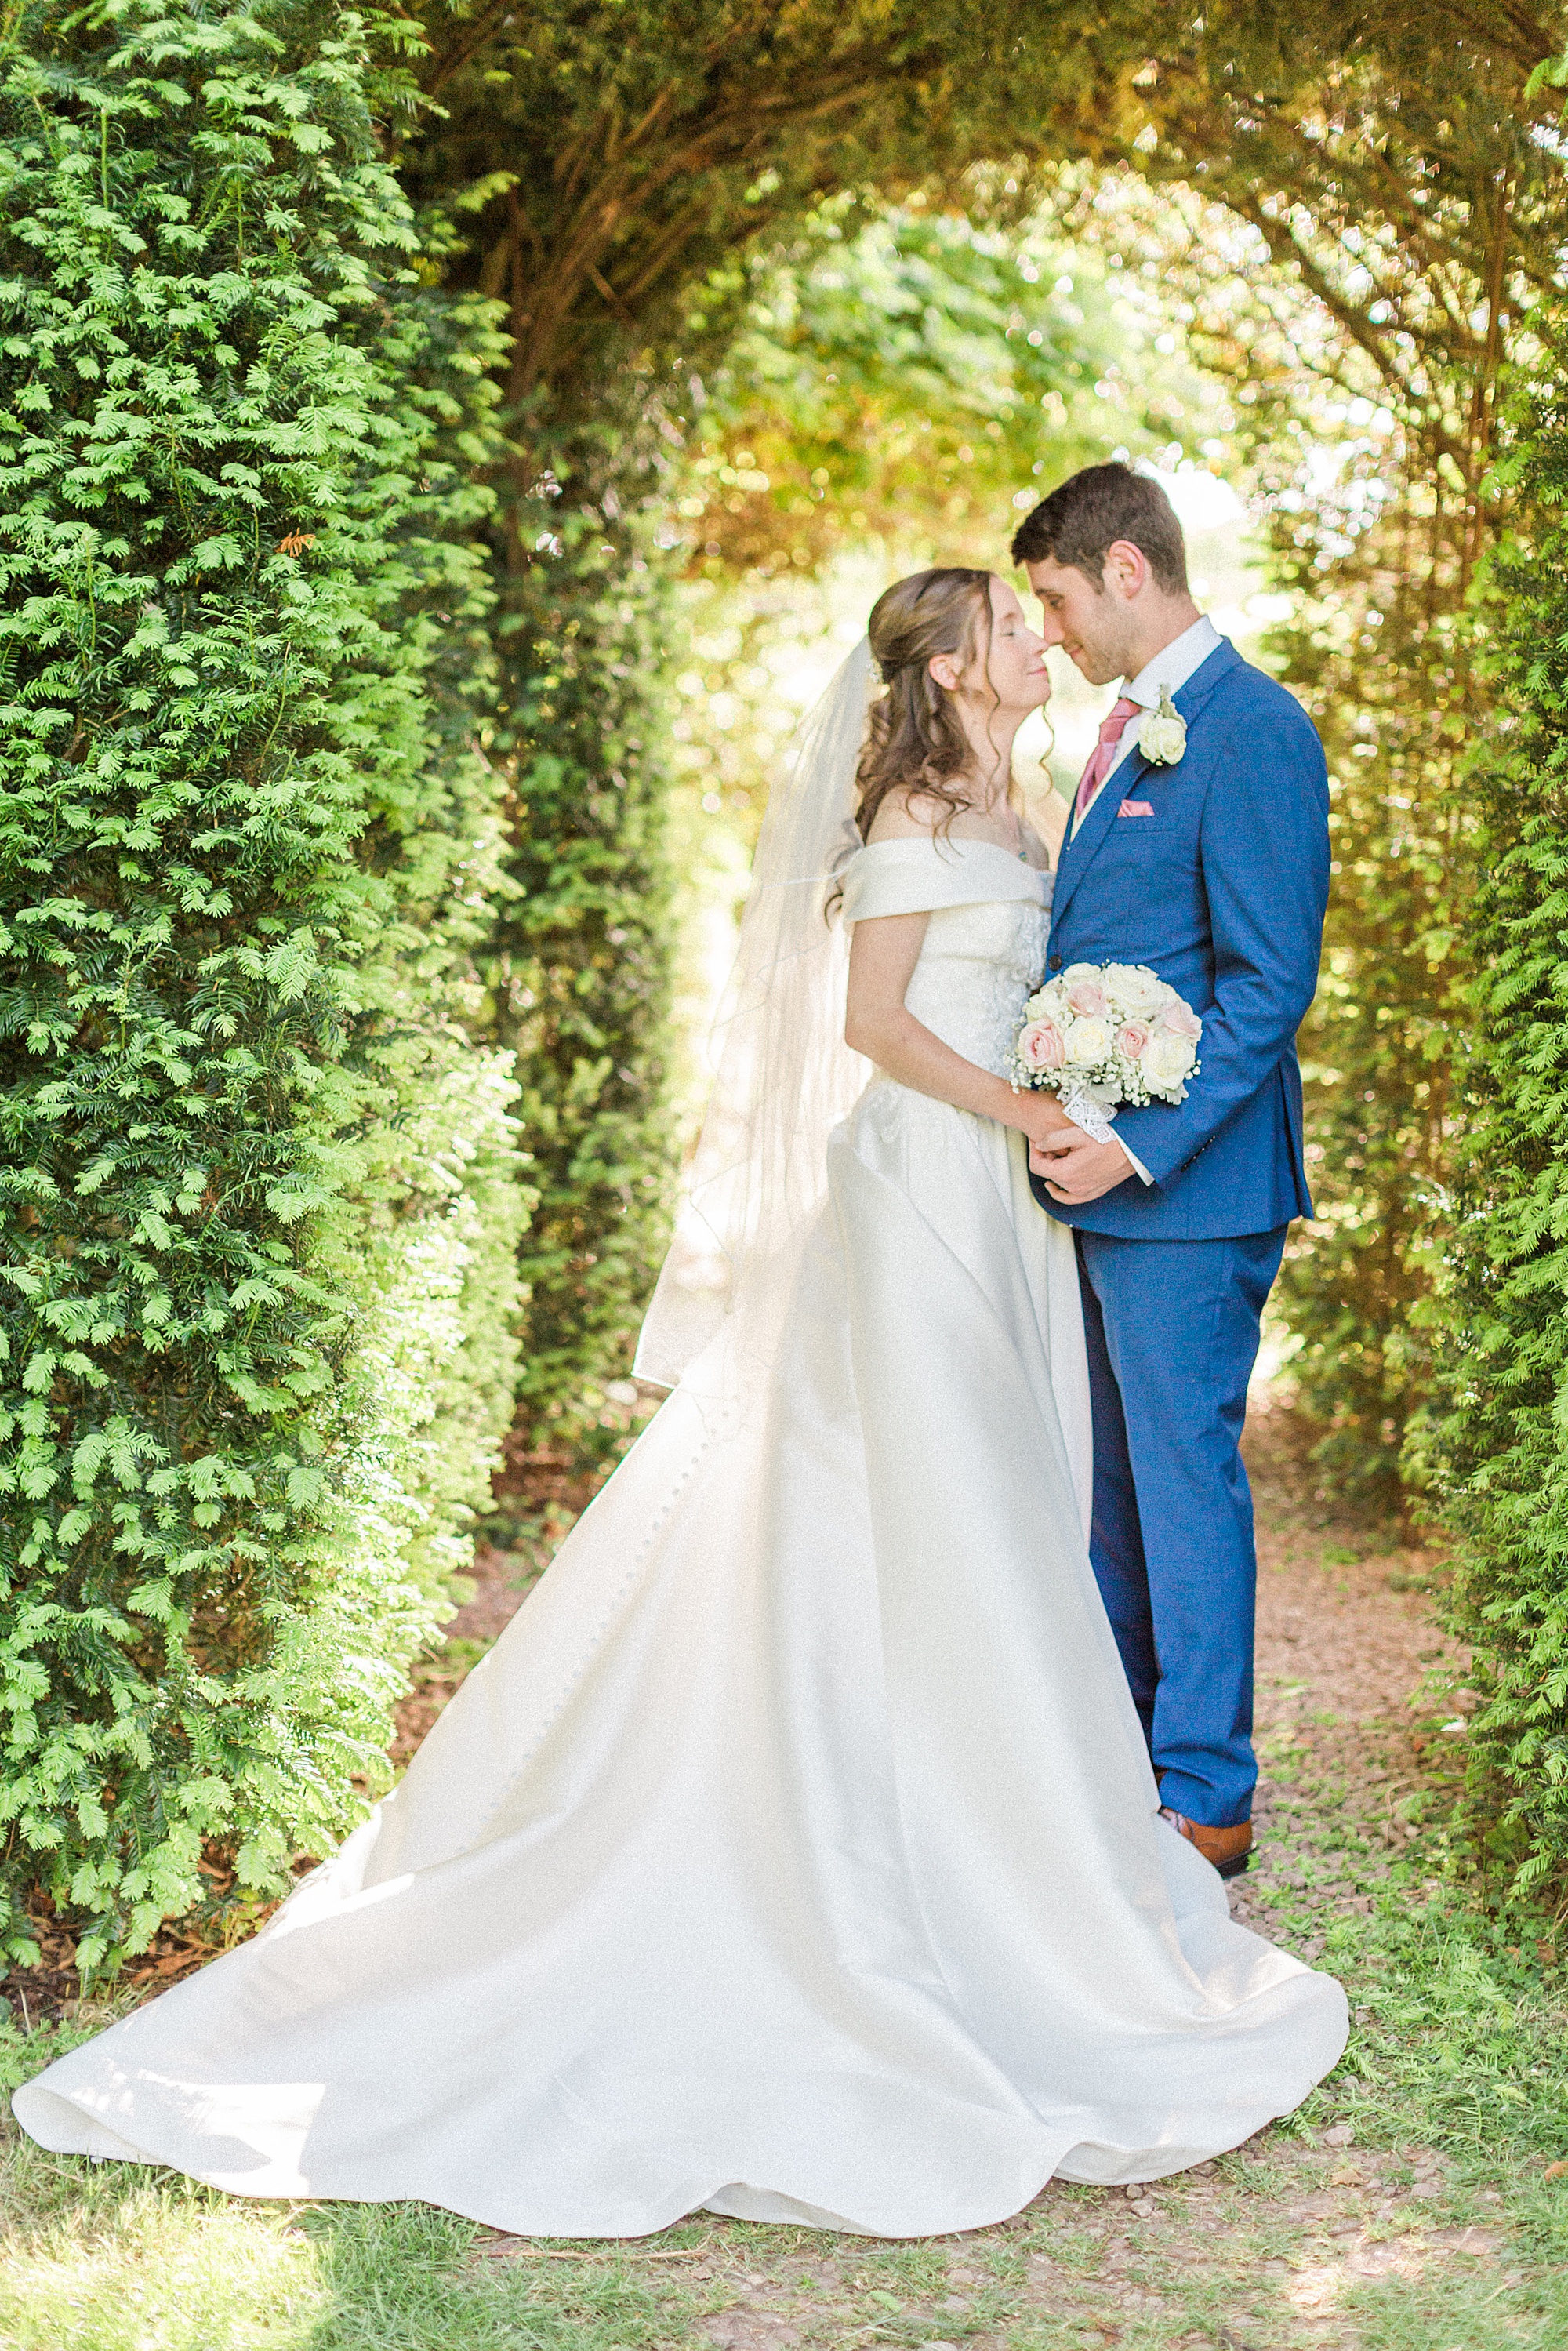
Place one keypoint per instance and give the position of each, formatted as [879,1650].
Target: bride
[796,1853]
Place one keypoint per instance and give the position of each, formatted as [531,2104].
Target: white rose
[1088,1042]
[1078,971]
[1162,734]
[1166,1060]
[1161,741]
[1136,989]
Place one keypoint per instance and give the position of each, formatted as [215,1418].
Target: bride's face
[1014,678]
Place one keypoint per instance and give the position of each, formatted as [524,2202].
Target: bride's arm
[884,952]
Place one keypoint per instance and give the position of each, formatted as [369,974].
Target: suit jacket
[1221,890]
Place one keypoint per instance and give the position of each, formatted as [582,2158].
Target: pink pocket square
[1137,808]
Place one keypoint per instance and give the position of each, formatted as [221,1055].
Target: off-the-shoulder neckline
[945,849]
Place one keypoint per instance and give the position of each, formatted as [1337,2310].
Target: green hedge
[577,964]
[1388,681]
[1496,1445]
[259,1194]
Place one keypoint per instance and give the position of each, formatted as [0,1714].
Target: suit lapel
[1094,827]
[1079,853]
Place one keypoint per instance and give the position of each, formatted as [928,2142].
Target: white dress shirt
[1169,669]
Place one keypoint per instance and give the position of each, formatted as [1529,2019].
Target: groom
[1200,849]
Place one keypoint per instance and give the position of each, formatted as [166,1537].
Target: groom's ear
[1126,570]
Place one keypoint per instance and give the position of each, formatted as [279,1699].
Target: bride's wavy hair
[915,743]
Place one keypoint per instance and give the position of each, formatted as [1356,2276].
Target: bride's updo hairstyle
[915,743]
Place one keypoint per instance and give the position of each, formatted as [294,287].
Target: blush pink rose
[1181,1021]
[1087,999]
[1132,1038]
[1041,1046]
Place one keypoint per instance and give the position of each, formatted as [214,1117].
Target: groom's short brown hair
[1080,522]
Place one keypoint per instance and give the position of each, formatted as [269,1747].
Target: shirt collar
[1174,666]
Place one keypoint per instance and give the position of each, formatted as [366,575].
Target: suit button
[1056,963]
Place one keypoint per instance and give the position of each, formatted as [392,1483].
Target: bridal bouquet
[1102,1034]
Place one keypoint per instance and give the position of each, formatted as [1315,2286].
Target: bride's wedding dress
[796,1852]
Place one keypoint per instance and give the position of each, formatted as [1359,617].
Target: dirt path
[1346,1644]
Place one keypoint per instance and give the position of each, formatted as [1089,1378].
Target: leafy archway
[1397,172]
[436,603]
[1390,165]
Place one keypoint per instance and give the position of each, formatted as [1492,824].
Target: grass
[1456,2083]
[1409,2206]
[121,2258]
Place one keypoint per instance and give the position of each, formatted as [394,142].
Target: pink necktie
[1103,753]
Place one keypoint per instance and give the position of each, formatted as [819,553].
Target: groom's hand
[1076,1168]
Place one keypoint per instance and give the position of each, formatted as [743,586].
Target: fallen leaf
[1555,2171]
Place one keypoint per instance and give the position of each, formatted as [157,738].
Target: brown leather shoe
[1229,1850]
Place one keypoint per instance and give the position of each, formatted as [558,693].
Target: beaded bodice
[984,950]
[977,967]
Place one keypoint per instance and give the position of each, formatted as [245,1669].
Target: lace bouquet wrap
[1102,1034]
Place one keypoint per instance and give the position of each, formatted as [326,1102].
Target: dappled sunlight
[118,2271]
[445,459]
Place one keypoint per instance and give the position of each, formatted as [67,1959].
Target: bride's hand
[1045,1121]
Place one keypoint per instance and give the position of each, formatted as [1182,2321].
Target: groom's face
[1090,624]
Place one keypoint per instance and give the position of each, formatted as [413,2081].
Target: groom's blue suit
[1221,889]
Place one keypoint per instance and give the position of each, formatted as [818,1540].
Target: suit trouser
[1172,1330]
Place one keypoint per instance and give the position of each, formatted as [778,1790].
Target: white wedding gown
[795,1853]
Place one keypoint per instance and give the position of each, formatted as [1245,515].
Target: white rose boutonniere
[1162,733]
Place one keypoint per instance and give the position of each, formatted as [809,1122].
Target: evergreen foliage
[1496,1442]
[259,1204]
[1379,648]
[1362,269]
[576,962]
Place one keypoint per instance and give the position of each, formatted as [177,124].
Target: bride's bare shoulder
[908,816]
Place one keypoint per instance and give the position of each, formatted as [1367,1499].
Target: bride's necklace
[1018,849]
[1002,807]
